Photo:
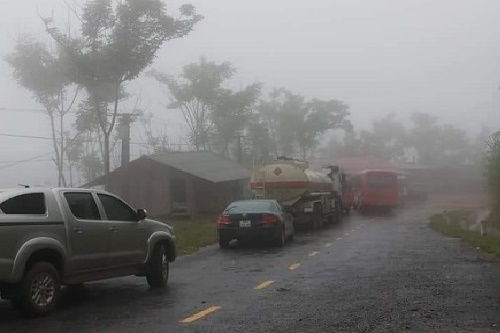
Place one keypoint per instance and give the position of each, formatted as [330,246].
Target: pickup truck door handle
[78,230]
[112,229]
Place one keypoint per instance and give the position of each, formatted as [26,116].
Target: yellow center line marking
[312,254]
[200,314]
[346,234]
[339,238]
[328,244]
[294,266]
[353,230]
[264,285]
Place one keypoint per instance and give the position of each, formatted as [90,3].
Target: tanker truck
[311,196]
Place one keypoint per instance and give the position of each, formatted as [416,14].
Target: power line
[17,161]
[22,136]
[22,109]
[28,110]
[25,160]
[26,136]
[44,110]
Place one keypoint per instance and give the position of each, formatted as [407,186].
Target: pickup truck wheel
[158,271]
[40,290]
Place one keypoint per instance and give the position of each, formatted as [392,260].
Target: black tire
[224,243]
[347,211]
[158,267]
[40,290]
[292,236]
[317,217]
[280,241]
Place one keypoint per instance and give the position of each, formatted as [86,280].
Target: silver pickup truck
[54,237]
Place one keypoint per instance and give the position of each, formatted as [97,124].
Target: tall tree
[74,152]
[40,72]
[320,117]
[386,139]
[437,144]
[156,139]
[232,114]
[423,135]
[196,94]
[297,123]
[117,44]
[258,143]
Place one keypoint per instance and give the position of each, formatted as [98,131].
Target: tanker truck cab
[309,193]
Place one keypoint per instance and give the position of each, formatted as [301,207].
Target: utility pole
[124,128]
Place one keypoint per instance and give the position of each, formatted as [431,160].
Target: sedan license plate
[245,223]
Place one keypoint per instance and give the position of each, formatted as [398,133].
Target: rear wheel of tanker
[317,217]
[337,214]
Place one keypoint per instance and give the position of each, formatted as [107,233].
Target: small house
[178,183]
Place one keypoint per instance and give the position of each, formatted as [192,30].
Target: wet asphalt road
[367,274]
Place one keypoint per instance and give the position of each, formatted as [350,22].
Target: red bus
[375,189]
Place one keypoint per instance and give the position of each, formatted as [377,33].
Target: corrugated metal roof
[203,165]
[359,163]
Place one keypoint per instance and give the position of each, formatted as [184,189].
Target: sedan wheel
[280,241]
[224,243]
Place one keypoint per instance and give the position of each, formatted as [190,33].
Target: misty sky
[378,56]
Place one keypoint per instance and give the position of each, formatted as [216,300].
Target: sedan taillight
[269,218]
[224,219]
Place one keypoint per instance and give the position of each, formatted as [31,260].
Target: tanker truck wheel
[317,217]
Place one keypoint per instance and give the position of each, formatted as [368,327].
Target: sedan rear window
[251,206]
[25,204]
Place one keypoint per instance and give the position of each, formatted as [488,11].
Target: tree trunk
[106,154]
[70,168]
[61,181]
[61,148]
[108,131]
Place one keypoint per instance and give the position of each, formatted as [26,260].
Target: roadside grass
[449,225]
[192,234]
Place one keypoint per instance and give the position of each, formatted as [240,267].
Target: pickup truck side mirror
[141,214]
